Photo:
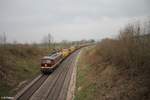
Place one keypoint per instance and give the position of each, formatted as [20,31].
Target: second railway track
[29,92]
[53,86]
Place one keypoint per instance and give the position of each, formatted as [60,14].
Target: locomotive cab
[48,62]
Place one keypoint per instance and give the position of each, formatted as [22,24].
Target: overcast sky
[31,20]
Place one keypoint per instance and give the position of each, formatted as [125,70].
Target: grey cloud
[64,17]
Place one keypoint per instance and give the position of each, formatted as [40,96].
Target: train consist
[50,62]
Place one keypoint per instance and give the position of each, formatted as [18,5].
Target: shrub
[18,62]
[123,69]
[130,49]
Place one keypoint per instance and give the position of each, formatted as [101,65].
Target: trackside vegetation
[118,68]
[85,85]
[19,63]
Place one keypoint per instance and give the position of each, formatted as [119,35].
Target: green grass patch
[85,85]
[18,64]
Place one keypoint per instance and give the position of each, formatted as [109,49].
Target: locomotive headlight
[45,65]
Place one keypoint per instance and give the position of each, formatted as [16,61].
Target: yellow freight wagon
[65,52]
[72,49]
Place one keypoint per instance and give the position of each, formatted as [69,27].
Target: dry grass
[17,63]
[120,67]
[85,85]
[127,75]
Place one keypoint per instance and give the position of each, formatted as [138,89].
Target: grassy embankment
[116,69]
[85,86]
[18,64]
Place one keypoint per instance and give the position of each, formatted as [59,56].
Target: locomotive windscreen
[45,61]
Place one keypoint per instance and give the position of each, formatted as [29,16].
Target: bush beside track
[18,64]
[116,69]
[85,84]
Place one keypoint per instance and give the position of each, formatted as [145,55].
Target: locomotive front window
[46,61]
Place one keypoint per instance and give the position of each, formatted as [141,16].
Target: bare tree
[48,41]
[3,38]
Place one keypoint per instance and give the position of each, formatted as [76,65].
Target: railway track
[28,92]
[53,86]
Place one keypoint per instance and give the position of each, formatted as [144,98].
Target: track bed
[53,86]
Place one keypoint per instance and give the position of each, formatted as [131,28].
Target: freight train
[50,62]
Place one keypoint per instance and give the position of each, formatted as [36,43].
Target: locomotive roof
[53,56]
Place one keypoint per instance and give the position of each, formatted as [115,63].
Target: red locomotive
[49,63]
